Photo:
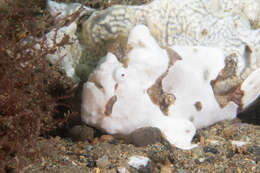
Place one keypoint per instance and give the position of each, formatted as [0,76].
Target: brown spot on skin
[93,79]
[191,118]
[227,80]
[174,56]
[249,63]
[198,105]
[206,75]
[64,41]
[195,49]
[129,48]
[227,85]
[202,140]
[248,51]
[145,136]
[236,97]
[157,95]
[117,47]
[141,44]
[154,92]
[204,32]
[235,25]
[116,86]
[165,101]
[125,61]
[187,131]
[107,138]
[109,105]
[99,85]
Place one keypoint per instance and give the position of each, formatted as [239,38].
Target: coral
[75,60]
[217,23]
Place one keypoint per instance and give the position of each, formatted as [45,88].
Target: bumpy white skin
[251,88]
[133,108]
[189,80]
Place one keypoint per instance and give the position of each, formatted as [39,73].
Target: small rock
[58,138]
[145,136]
[166,169]
[181,171]
[197,153]
[230,153]
[91,163]
[89,147]
[210,159]
[107,138]
[10,170]
[255,151]
[228,133]
[103,162]
[197,161]
[210,150]
[81,133]
[122,170]
[141,163]
[257,159]
[239,143]
[202,159]
[94,141]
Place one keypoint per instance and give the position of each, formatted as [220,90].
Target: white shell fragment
[239,143]
[138,162]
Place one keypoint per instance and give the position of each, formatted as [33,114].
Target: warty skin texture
[117,100]
[115,97]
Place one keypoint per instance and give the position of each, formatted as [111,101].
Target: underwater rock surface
[229,25]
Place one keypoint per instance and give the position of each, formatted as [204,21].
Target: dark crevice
[252,114]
